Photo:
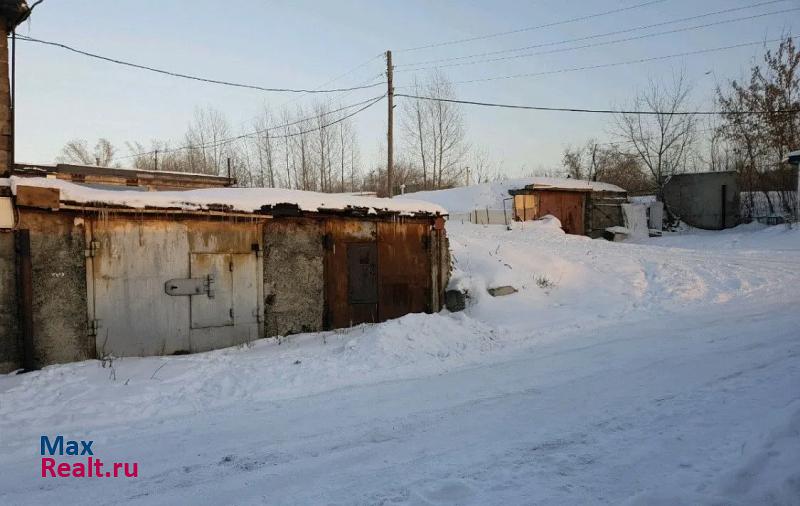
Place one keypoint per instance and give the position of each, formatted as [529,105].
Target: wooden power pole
[390,127]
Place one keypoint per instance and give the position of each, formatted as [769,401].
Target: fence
[756,205]
[484,217]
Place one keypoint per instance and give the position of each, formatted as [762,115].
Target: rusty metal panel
[567,206]
[215,307]
[404,267]
[573,213]
[339,232]
[362,273]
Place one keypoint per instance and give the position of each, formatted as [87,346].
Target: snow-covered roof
[72,168]
[4,181]
[245,200]
[571,184]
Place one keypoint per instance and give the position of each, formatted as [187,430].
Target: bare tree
[757,143]
[607,163]
[209,135]
[481,167]
[434,131]
[415,124]
[662,141]
[265,149]
[77,151]
[581,162]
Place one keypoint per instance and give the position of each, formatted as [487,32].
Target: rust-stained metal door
[129,263]
[157,287]
[214,307]
[404,267]
[567,206]
[340,234]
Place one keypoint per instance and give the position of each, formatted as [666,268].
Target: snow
[238,199]
[663,371]
[491,195]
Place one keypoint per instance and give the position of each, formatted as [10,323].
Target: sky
[305,44]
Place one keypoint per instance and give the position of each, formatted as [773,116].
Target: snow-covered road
[646,374]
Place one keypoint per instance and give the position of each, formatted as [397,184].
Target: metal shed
[583,207]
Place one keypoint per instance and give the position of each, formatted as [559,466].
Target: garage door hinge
[91,251]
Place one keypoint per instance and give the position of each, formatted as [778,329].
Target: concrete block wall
[58,263]
[696,199]
[294,283]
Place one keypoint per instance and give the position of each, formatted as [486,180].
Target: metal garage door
[150,294]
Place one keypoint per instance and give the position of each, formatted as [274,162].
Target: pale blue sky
[281,43]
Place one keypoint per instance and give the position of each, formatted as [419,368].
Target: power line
[593,111]
[329,101]
[609,65]
[188,76]
[345,74]
[369,103]
[606,43]
[531,28]
[591,37]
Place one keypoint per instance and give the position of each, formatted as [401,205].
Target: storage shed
[583,207]
[707,200]
[89,272]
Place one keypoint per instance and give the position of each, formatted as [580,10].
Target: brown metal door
[549,203]
[572,211]
[566,206]
[404,267]
[340,234]
[362,273]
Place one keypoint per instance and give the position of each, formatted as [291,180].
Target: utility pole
[156,159]
[390,127]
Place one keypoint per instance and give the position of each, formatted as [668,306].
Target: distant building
[583,207]
[707,200]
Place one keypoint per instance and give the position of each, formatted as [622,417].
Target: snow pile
[233,199]
[491,195]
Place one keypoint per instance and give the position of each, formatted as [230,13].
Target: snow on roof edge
[246,200]
[569,183]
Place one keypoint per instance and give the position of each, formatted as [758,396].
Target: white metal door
[214,308]
[131,313]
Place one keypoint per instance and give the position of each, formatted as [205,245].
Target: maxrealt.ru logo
[89,466]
